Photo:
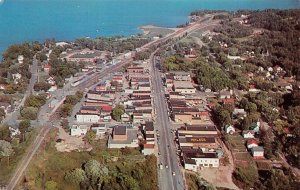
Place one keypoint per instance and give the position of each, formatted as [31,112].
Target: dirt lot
[70,143]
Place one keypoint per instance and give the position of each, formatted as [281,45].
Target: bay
[30,20]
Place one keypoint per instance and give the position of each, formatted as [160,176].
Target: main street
[167,148]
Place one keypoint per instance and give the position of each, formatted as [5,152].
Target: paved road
[167,146]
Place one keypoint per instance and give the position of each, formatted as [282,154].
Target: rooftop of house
[258,148]
[148,146]
[252,141]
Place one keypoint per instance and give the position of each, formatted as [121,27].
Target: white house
[229,129]
[248,134]
[16,77]
[257,152]
[79,130]
[148,149]
[255,126]
[87,118]
[20,59]
[14,132]
[125,117]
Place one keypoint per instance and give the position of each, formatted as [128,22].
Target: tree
[117,112]
[6,149]
[51,185]
[90,136]
[93,171]
[29,113]
[2,114]
[4,133]
[76,176]
[39,86]
[23,127]
[65,124]
[66,110]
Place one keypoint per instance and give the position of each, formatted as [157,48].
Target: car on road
[167,166]
[173,173]
[160,166]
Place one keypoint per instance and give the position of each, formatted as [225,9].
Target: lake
[28,20]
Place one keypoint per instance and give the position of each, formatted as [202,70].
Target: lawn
[52,165]
[7,169]
[237,143]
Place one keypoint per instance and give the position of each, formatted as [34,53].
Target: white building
[194,160]
[248,134]
[257,152]
[20,59]
[87,118]
[229,129]
[99,129]
[79,130]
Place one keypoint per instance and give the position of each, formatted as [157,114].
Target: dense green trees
[212,77]
[6,149]
[117,112]
[35,101]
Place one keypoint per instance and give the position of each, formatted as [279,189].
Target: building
[5,106]
[251,143]
[131,70]
[87,118]
[204,143]
[257,152]
[229,129]
[125,117]
[148,149]
[184,87]
[89,109]
[123,137]
[195,159]
[248,134]
[79,130]
[20,59]
[197,130]
[99,129]
[47,68]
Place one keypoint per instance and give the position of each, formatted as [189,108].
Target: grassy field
[156,31]
[237,143]
[49,164]
[6,169]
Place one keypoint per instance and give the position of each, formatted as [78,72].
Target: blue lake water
[28,20]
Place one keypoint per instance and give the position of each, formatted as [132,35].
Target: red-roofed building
[106,108]
[148,149]
[228,101]
[251,143]
[47,68]
[118,78]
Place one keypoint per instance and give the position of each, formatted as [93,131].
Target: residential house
[47,68]
[5,106]
[257,152]
[251,143]
[125,117]
[228,101]
[229,129]
[247,134]
[225,94]
[20,59]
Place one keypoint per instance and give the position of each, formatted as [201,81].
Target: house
[247,134]
[148,149]
[5,106]
[14,131]
[79,130]
[99,129]
[251,143]
[225,94]
[2,86]
[20,59]
[122,137]
[229,129]
[51,81]
[47,68]
[255,126]
[16,77]
[239,112]
[228,101]
[87,118]
[125,117]
[257,152]
[252,88]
